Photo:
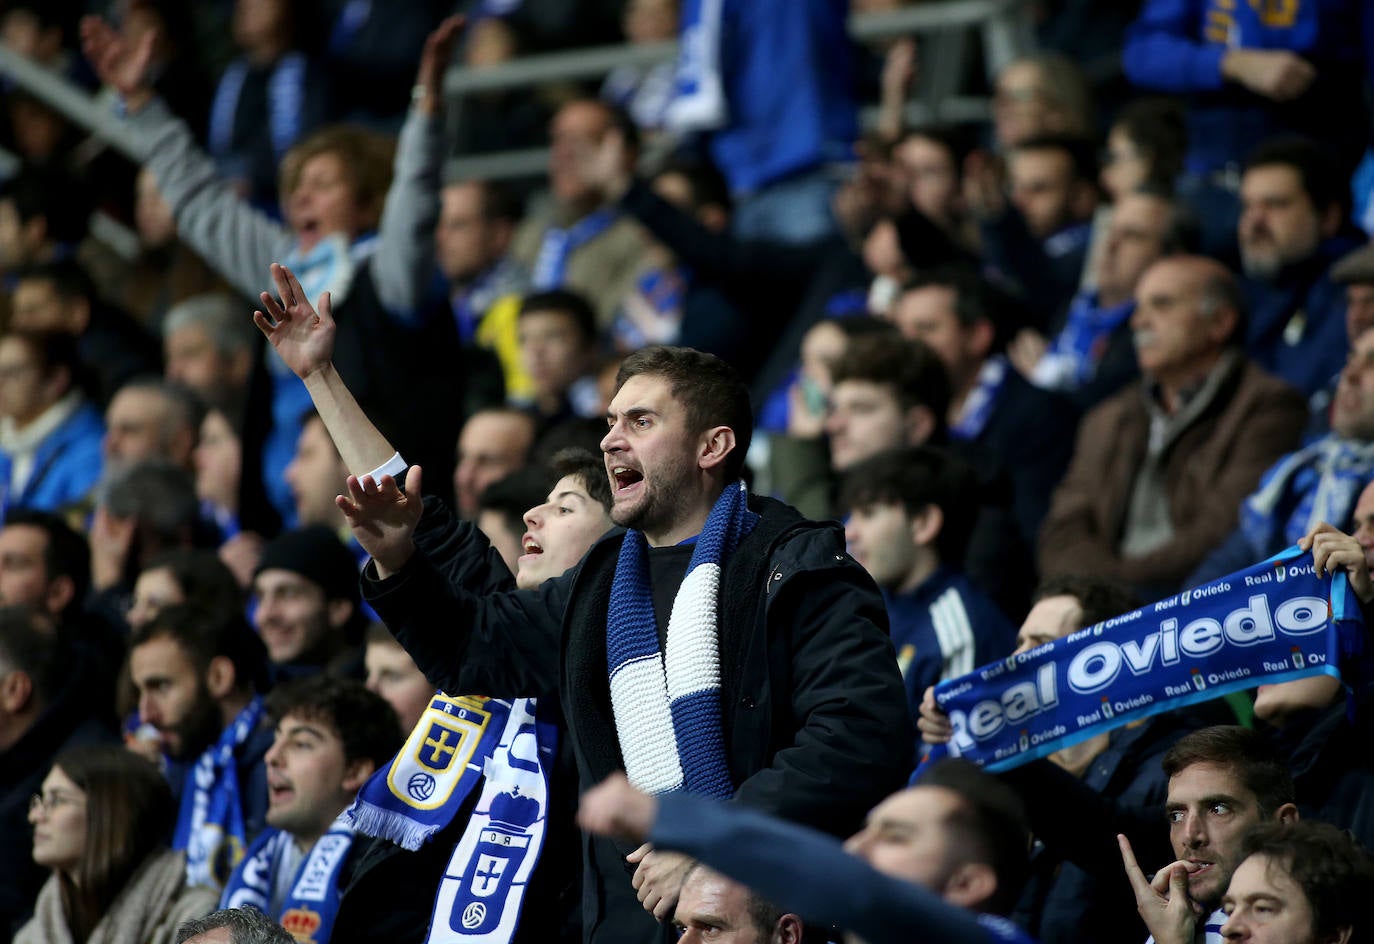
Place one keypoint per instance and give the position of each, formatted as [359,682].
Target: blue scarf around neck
[667,706]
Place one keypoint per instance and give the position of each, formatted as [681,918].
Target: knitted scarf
[1319,482]
[667,708]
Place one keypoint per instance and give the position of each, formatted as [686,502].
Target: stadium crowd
[393,556]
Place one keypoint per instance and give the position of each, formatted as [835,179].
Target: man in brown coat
[1159,470]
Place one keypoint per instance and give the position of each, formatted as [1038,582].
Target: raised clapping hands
[1163,904]
[1334,550]
[383,517]
[302,337]
[118,63]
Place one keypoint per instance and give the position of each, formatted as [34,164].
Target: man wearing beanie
[305,605]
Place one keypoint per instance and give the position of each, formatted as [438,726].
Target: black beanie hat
[317,554]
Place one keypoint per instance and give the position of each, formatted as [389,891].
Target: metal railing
[1003,27]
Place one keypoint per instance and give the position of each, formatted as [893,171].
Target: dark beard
[199,729]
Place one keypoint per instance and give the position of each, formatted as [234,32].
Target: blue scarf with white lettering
[1272,622]
[457,743]
[667,704]
[310,905]
[210,825]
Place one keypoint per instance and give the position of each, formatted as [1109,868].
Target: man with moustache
[771,609]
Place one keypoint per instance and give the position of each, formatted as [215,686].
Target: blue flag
[1269,623]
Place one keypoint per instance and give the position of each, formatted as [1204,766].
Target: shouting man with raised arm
[722,644]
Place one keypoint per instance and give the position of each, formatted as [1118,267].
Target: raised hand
[1334,550]
[1026,349]
[302,337]
[383,518]
[118,63]
[434,60]
[1163,904]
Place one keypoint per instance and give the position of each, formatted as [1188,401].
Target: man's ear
[788,930]
[61,590]
[971,885]
[926,525]
[1339,936]
[1329,221]
[1222,324]
[978,339]
[716,444]
[1288,813]
[77,313]
[338,612]
[16,690]
[357,773]
[920,425]
[220,677]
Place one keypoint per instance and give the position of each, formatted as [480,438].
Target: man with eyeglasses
[40,717]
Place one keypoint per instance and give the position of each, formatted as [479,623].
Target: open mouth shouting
[625,479]
[531,546]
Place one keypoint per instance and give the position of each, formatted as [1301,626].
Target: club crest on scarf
[445,740]
[458,743]
[1273,622]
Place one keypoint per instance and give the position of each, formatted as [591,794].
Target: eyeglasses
[49,803]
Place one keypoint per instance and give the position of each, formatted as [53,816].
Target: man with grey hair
[234,926]
[1160,469]
[150,418]
[207,346]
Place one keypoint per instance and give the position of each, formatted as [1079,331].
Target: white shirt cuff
[392,467]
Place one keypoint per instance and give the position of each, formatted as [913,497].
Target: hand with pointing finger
[1163,904]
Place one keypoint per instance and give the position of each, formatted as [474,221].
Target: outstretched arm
[403,267]
[304,338]
[233,237]
[796,868]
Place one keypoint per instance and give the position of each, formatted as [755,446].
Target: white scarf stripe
[653,764]
[693,654]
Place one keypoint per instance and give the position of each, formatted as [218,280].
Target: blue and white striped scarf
[667,707]
[1317,483]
